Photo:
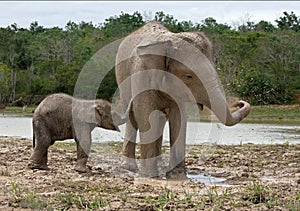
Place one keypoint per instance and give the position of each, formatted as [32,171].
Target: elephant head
[99,112]
[188,56]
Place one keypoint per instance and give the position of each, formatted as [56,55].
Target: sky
[50,14]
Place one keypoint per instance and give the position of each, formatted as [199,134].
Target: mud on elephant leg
[128,150]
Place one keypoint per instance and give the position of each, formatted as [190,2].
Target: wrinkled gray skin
[154,47]
[60,117]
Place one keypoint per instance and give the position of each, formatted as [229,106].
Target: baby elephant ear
[88,114]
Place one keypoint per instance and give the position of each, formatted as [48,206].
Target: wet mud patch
[253,177]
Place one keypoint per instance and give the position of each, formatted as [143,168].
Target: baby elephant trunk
[118,120]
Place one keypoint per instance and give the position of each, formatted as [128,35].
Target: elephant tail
[33,135]
[33,141]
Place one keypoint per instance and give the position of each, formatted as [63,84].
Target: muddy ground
[258,177]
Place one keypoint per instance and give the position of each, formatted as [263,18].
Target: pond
[197,132]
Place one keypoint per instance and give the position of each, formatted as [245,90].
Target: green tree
[4,83]
[249,26]
[35,28]
[65,78]
[264,26]
[261,88]
[9,42]
[122,25]
[210,26]
[257,61]
[289,21]
[171,23]
[279,55]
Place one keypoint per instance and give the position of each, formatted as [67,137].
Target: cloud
[57,13]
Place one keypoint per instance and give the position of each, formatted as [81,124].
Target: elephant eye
[188,76]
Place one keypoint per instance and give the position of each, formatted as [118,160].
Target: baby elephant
[60,117]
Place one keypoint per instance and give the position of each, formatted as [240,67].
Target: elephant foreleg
[83,143]
[151,143]
[177,125]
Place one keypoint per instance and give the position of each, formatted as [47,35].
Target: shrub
[260,88]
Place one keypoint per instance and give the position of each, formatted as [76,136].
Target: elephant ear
[88,113]
[154,54]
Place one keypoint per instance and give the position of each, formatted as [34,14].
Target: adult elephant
[159,71]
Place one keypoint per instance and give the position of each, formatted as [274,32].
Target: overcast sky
[51,14]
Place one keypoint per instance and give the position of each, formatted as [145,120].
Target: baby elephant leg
[39,158]
[83,150]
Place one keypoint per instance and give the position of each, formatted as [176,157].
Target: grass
[81,202]
[25,198]
[258,193]
[274,114]
[82,195]
[4,172]
[212,194]
[87,196]
[294,204]
[163,200]
[19,110]
[66,145]
[263,114]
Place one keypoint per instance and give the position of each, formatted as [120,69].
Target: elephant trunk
[121,120]
[220,108]
[239,115]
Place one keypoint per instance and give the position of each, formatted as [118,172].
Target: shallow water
[197,132]
[206,179]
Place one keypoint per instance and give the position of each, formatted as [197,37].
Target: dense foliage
[259,62]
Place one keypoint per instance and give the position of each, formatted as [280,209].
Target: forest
[259,62]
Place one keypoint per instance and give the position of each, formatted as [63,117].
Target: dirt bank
[257,178]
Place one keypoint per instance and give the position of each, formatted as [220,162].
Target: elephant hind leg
[150,156]
[38,164]
[128,150]
[39,158]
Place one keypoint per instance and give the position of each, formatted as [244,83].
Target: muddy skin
[274,169]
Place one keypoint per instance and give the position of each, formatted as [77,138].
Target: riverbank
[264,177]
[273,114]
[288,114]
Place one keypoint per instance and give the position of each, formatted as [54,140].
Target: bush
[260,88]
